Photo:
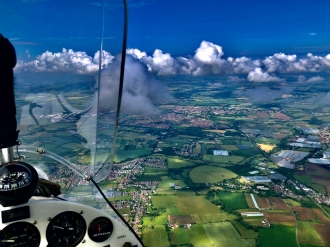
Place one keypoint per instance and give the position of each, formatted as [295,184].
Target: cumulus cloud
[140,93]
[315,79]
[66,61]
[258,76]
[207,59]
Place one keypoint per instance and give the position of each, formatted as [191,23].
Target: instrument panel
[49,222]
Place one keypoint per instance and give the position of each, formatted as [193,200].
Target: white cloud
[65,61]
[315,79]
[258,76]
[208,59]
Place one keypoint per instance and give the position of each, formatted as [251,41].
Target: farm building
[220,152]
[257,179]
[320,161]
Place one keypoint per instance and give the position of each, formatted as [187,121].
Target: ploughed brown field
[315,169]
[324,228]
[301,173]
[249,200]
[281,116]
[262,114]
[278,203]
[181,219]
[279,217]
[262,202]
[303,213]
[328,189]
[321,180]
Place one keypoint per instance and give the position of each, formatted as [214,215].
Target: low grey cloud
[315,79]
[263,94]
[141,92]
[235,79]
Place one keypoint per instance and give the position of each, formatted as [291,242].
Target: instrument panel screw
[34,222]
[49,218]
[84,241]
[81,212]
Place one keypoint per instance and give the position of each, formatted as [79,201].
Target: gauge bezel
[49,230]
[22,225]
[102,238]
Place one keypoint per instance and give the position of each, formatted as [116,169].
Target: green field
[222,159]
[210,174]
[223,234]
[178,163]
[130,154]
[181,236]
[198,236]
[307,234]
[201,210]
[291,202]
[233,200]
[276,236]
[155,237]
[165,183]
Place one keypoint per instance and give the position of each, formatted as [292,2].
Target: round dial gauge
[20,234]
[18,182]
[14,176]
[66,229]
[100,229]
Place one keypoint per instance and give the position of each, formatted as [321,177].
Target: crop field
[200,209]
[267,147]
[194,205]
[303,213]
[181,219]
[291,202]
[276,236]
[162,201]
[244,232]
[198,236]
[154,171]
[266,141]
[307,234]
[165,183]
[320,180]
[249,200]
[155,237]
[180,236]
[315,169]
[223,234]
[130,154]
[178,163]
[222,159]
[279,217]
[262,202]
[233,200]
[247,153]
[322,229]
[229,147]
[210,174]
[278,203]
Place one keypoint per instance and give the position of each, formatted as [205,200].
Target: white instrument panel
[42,210]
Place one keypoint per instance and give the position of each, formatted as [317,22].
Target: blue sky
[241,27]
